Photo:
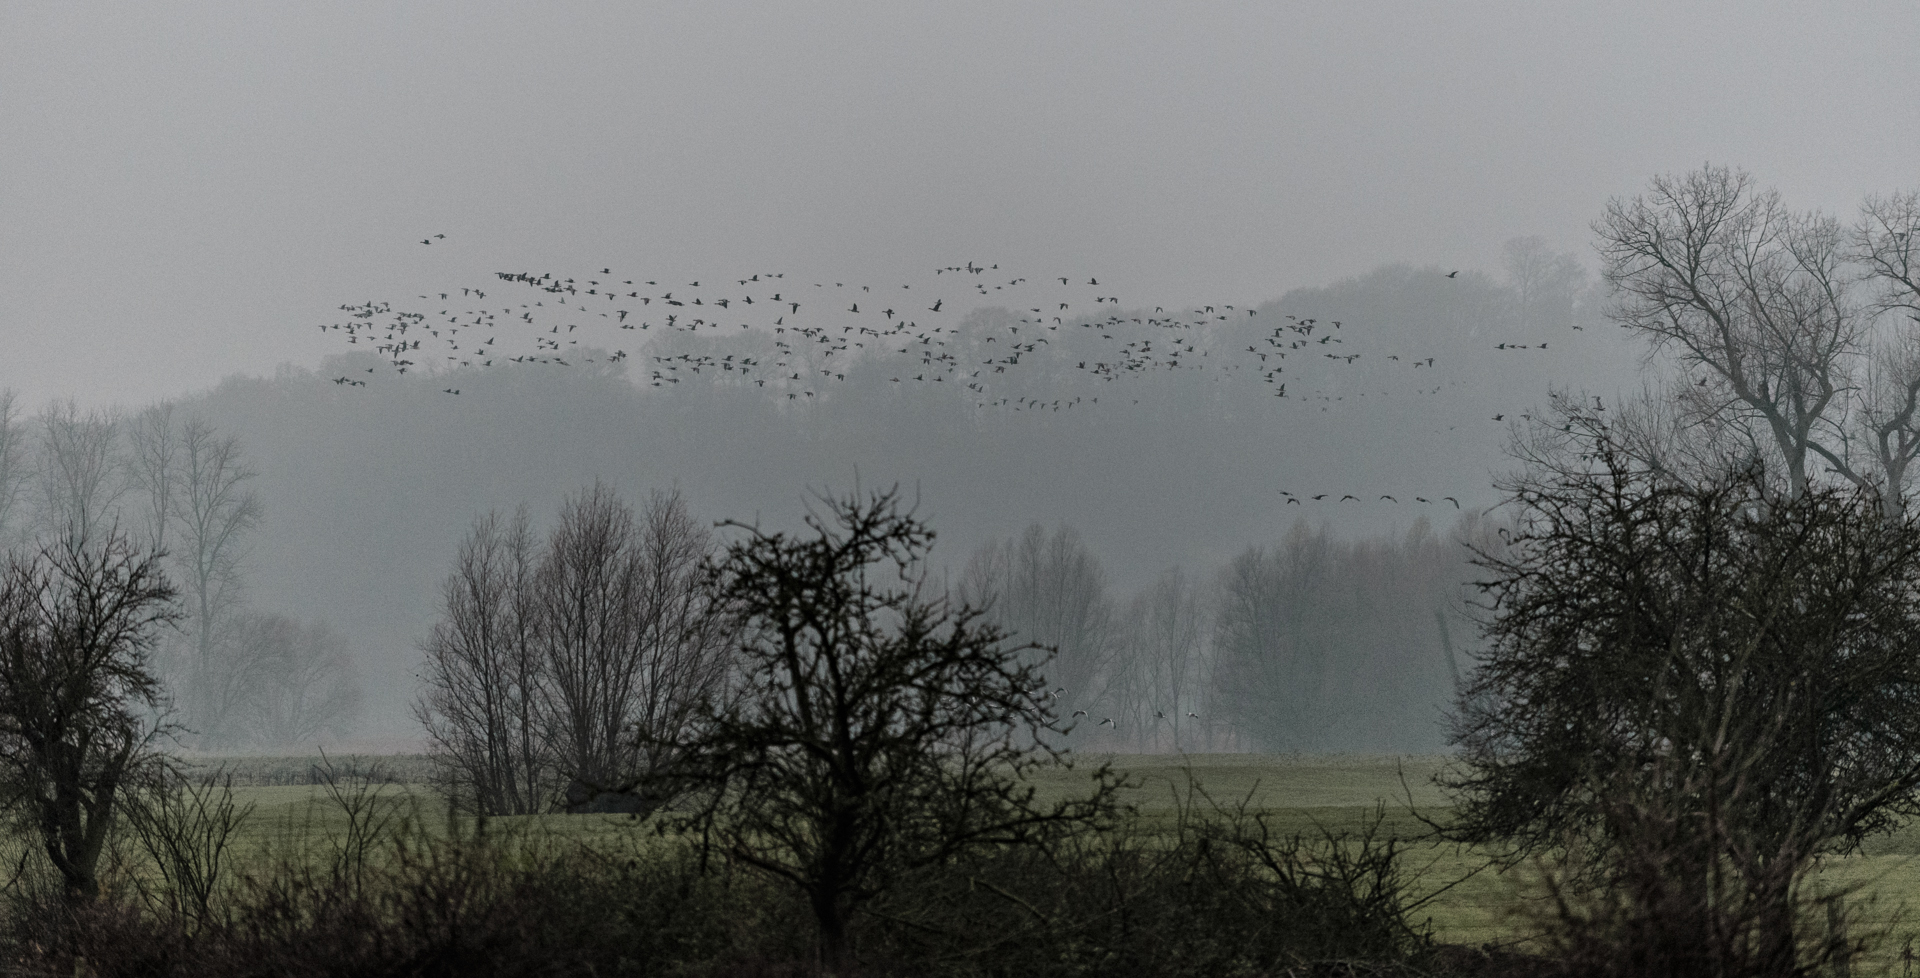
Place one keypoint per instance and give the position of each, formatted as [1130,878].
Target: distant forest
[1217,604]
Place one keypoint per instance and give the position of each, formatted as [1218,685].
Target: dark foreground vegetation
[379,881]
[1218,893]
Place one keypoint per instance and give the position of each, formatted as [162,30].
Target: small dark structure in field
[629,799]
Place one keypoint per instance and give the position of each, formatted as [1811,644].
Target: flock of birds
[1350,497]
[1052,697]
[796,339]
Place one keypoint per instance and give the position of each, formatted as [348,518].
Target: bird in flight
[1453,274]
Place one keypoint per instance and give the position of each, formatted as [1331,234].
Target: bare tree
[1637,617]
[589,589]
[485,678]
[1050,590]
[876,730]
[77,695]
[1717,270]
[1274,636]
[1319,641]
[15,469]
[1160,663]
[1546,284]
[630,640]
[685,638]
[80,478]
[1673,428]
[584,660]
[214,511]
[302,685]
[153,462]
[1887,247]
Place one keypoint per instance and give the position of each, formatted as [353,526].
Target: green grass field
[1464,901]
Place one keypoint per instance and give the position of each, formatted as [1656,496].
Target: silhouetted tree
[582,660]
[78,620]
[876,727]
[628,637]
[588,587]
[484,677]
[684,639]
[1637,618]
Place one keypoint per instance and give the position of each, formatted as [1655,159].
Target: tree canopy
[1636,618]
[876,727]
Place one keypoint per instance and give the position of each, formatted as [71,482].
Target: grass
[1299,794]
[1466,903]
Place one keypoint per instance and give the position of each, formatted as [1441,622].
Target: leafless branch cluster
[1792,331]
[1318,638]
[1548,287]
[79,621]
[1049,589]
[298,682]
[1301,645]
[877,728]
[578,661]
[185,490]
[1637,617]
[1162,667]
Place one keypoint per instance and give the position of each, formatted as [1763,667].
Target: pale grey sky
[186,189]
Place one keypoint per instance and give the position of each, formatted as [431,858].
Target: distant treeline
[369,489]
[237,674]
[1309,644]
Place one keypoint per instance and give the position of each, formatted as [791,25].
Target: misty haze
[491,408]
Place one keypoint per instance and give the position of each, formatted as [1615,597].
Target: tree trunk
[836,946]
